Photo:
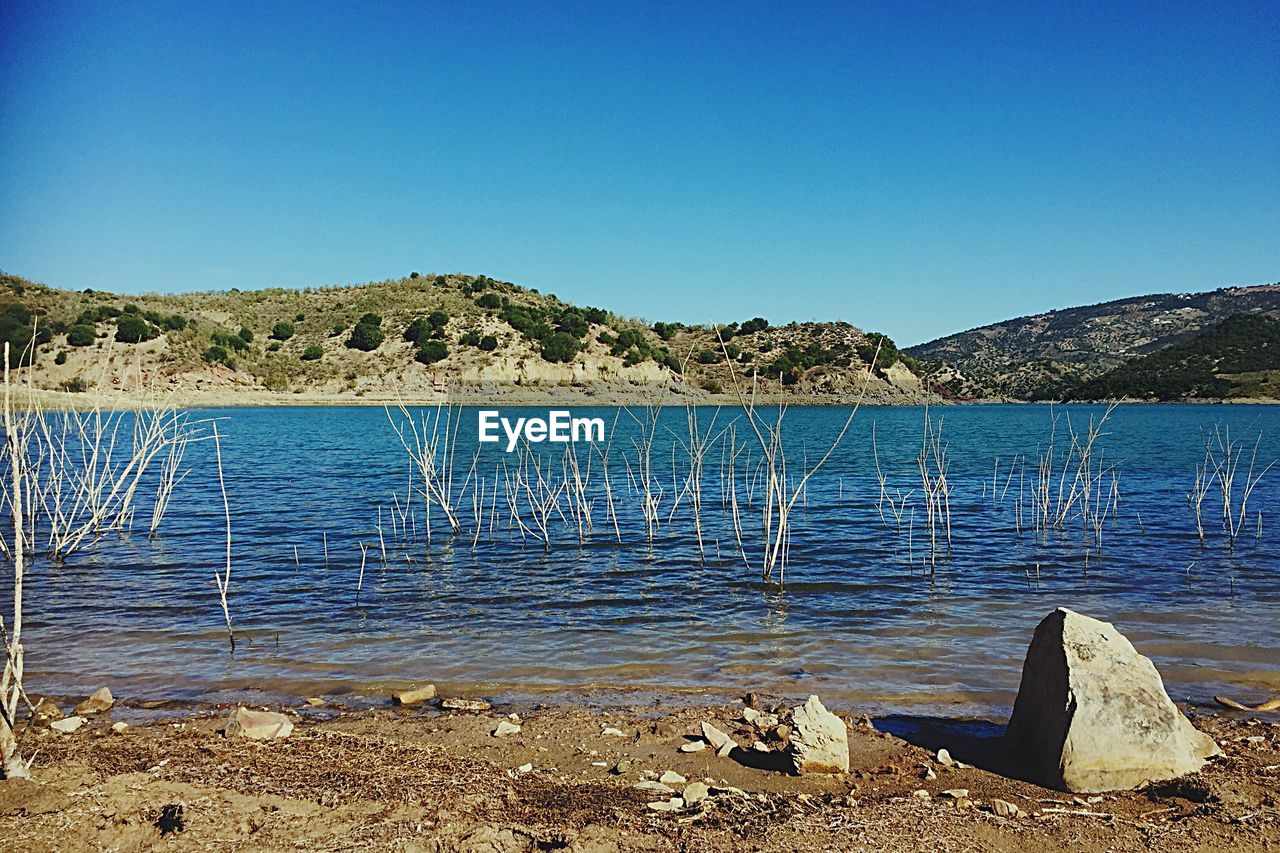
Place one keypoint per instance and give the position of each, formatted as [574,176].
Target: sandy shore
[427,779]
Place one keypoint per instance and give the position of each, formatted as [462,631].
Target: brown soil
[425,780]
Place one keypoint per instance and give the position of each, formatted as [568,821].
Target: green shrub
[369,319]
[74,385]
[529,321]
[282,331]
[298,318]
[217,355]
[61,357]
[338,328]
[417,330]
[712,386]
[666,331]
[228,341]
[470,338]
[274,346]
[246,334]
[708,356]
[755,324]
[312,353]
[365,337]
[888,351]
[633,357]
[489,301]
[437,320]
[430,351]
[560,347]
[572,322]
[132,329]
[628,339]
[81,335]
[132,309]
[488,343]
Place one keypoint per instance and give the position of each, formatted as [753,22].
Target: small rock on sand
[623,766]
[714,736]
[412,697]
[726,749]
[506,728]
[612,732]
[956,793]
[119,728]
[46,711]
[750,714]
[457,703]
[525,768]
[671,777]
[695,792]
[819,740]
[694,746]
[921,794]
[314,702]
[650,785]
[100,700]
[258,725]
[1004,808]
[944,758]
[67,726]
[671,805]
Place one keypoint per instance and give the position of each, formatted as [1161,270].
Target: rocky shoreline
[426,778]
[429,772]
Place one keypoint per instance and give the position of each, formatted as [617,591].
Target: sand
[422,779]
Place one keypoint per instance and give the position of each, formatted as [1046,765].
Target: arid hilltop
[416,337]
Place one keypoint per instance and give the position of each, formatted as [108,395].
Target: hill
[411,338]
[1238,358]
[1037,356]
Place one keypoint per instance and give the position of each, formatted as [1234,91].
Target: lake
[870,617]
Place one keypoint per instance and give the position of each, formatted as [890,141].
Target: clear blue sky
[913,169]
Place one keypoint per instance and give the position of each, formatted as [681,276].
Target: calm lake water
[862,620]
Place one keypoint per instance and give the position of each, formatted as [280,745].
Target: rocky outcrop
[1092,714]
[819,740]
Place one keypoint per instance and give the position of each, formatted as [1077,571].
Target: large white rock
[1092,714]
[819,740]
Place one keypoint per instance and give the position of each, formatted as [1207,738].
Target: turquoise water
[863,619]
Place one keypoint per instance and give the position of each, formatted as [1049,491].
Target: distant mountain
[1039,356]
[1238,358]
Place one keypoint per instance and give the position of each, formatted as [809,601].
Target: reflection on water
[860,620]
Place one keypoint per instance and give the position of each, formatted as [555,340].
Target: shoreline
[124,400]
[424,778]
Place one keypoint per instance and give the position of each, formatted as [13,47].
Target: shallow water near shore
[863,620]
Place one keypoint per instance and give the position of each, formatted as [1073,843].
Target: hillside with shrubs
[416,336]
